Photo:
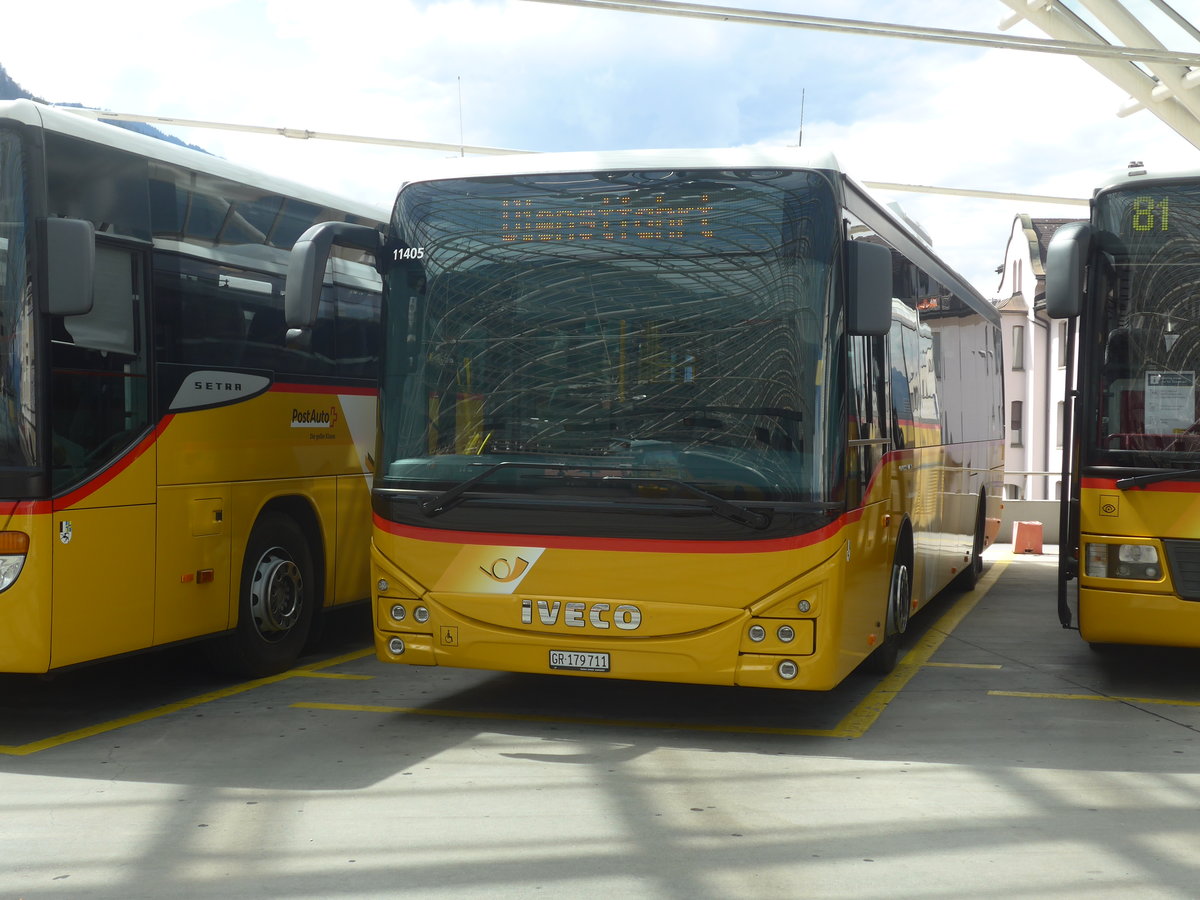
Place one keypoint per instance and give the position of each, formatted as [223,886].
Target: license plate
[576,661]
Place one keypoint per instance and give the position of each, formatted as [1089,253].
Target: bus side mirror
[869,283]
[307,262]
[70,257]
[1066,269]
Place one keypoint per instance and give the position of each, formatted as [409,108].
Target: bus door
[869,440]
[103,467]
[869,417]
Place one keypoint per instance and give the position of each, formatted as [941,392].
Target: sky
[526,75]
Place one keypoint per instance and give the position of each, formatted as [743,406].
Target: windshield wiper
[1133,481]
[443,501]
[722,507]
[750,518]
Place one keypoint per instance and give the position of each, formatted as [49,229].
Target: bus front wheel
[276,601]
[884,658]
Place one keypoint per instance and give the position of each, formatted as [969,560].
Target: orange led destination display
[608,218]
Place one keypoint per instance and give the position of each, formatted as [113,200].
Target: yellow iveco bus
[704,417]
[1127,282]
[172,463]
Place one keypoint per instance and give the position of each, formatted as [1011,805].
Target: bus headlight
[1134,561]
[14,545]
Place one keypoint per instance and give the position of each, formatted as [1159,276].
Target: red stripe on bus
[119,466]
[1167,487]
[284,387]
[629,545]
[24,508]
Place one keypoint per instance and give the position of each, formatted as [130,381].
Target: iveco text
[579,615]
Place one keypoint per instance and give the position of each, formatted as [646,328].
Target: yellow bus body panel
[149,552]
[25,608]
[1134,611]
[692,609]
[103,568]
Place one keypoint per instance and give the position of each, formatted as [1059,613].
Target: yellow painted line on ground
[854,725]
[165,710]
[1152,701]
[340,676]
[863,716]
[933,665]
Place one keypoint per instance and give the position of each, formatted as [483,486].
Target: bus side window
[100,395]
[357,333]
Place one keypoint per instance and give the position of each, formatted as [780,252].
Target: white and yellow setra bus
[172,464]
[702,417]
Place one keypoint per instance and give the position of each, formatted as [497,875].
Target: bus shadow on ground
[39,707]
[362,721]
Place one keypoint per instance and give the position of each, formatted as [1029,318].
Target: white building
[1035,359]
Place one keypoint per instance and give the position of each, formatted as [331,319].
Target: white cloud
[540,76]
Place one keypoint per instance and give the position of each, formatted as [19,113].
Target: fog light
[14,545]
[804,606]
[10,568]
[1137,553]
[757,633]
[1135,561]
[396,646]
[786,633]
[382,586]
[398,612]
[421,614]
[788,670]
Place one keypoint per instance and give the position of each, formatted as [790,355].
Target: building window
[1016,274]
[1059,425]
[1018,347]
[1016,423]
[1062,345]
[1012,492]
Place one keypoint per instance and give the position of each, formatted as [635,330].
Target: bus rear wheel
[969,576]
[276,601]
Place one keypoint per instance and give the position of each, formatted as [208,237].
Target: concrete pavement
[1003,759]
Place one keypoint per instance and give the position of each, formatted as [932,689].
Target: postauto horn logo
[314,418]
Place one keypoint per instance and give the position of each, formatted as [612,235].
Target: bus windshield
[1148,320]
[18,431]
[636,334]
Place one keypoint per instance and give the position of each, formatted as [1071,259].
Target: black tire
[899,606]
[277,598]
[969,577]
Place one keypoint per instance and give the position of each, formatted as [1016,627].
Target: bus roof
[1136,173]
[60,121]
[605,160]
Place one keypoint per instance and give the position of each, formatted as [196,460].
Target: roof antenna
[800,142]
